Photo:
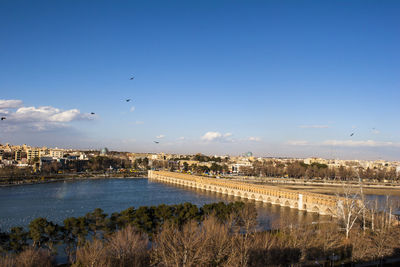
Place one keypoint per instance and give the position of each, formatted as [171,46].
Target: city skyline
[276,78]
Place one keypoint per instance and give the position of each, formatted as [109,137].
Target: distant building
[56,153]
[248,154]
[32,153]
[104,151]
[18,155]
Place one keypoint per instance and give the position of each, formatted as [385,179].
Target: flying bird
[351,134]
[3,118]
[132,78]
[127,100]
[156,142]
[92,113]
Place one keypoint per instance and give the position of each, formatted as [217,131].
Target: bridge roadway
[310,202]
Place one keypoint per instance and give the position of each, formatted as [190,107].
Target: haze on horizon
[278,78]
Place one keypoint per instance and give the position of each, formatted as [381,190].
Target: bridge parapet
[311,202]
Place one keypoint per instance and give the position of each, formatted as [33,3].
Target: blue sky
[279,78]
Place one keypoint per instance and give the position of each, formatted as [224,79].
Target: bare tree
[217,240]
[128,247]
[349,209]
[34,257]
[175,247]
[92,254]
[244,225]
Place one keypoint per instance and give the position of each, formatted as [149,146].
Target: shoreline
[53,179]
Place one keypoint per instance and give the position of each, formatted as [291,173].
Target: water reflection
[57,201]
[269,215]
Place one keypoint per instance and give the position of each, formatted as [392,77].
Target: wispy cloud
[160,136]
[366,143]
[217,137]
[181,138]
[132,109]
[314,126]
[254,139]
[139,122]
[297,142]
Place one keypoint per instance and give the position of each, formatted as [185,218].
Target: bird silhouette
[351,134]
[156,142]
[3,118]
[127,100]
[132,78]
[92,113]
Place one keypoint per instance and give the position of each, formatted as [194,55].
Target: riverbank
[5,181]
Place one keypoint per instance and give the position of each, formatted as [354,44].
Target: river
[59,200]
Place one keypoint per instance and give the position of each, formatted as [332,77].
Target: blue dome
[249,154]
[104,151]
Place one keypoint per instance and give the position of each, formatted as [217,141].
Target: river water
[57,201]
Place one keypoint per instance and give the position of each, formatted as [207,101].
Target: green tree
[96,222]
[17,239]
[43,233]
[185,166]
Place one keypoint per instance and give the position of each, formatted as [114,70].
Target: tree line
[299,169]
[217,234]
[76,231]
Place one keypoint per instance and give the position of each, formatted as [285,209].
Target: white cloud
[217,136]
[314,126]
[297,142]
[227,135]
[38,118]
[160,136]
[46,114]
[132,109]
[254,139]
[10,103]
[139,122]
[366,143]
[181,138]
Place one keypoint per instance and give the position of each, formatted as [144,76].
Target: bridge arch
[284,197]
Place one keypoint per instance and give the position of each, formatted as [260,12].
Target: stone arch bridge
[310,202]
